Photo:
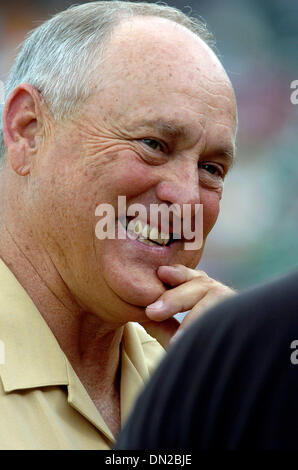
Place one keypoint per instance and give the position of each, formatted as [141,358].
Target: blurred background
[256,237]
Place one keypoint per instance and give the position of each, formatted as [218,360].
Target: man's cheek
[211,208]
[133,175]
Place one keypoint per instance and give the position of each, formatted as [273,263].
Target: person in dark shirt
[229,382]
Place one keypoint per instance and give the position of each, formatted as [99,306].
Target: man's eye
[153,144]
[212,169]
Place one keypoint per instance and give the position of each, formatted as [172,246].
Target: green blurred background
[256,236]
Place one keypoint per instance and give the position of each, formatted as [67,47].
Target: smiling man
[104,99]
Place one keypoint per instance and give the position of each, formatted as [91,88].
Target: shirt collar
[33,357]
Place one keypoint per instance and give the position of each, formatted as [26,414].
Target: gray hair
[59,56]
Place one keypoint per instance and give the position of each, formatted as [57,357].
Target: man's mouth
[142,232]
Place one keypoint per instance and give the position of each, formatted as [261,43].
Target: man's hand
[191,290]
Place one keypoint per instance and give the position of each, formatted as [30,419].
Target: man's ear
[21,124]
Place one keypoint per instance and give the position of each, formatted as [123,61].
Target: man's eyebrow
[229,154]
[226,152]
[165,127]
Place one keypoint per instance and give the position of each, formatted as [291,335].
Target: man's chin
[135,297]
[143,298]
[132,283]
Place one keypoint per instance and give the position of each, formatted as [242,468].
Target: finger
[196,312]
[177,300]
[177,274]
[209,300]
[163,331]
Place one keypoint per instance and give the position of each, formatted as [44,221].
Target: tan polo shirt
[43,404]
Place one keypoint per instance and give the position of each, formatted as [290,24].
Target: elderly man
[104,99]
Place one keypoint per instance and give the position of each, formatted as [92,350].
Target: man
[105,99]
[230,383]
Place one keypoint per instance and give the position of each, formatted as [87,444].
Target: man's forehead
[143,60]
[153,41]
[143,87]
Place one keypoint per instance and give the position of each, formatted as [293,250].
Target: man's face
[159,131]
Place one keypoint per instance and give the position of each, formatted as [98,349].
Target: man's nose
[184,191]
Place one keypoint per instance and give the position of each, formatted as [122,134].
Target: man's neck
[92,347]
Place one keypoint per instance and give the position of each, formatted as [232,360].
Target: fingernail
[156,305]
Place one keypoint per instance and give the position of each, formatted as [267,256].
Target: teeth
[163,238]
[154,234]
[144,233]
[131,226]
[138,227]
